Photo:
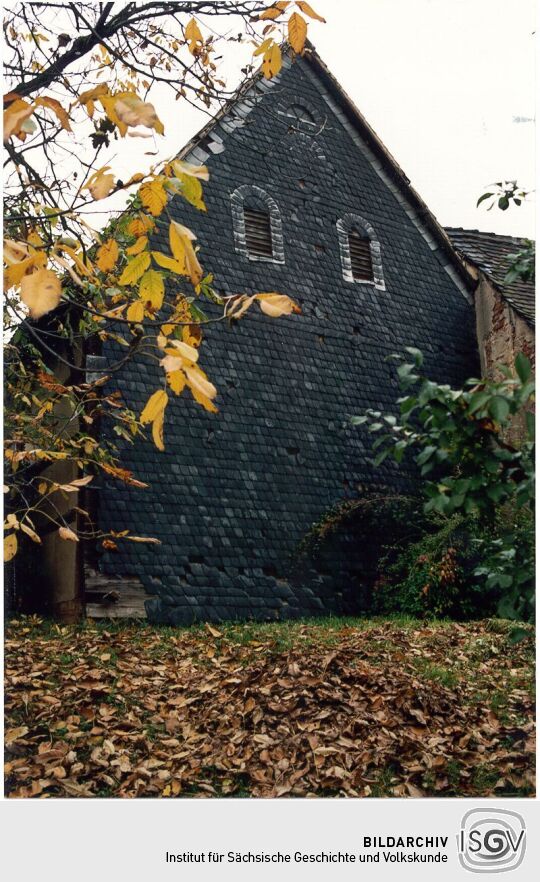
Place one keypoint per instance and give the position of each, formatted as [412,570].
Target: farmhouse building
[303,199]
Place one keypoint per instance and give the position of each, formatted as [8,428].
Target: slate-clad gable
[234,493]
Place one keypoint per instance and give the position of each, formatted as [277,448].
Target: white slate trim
[344,226]
[239,223]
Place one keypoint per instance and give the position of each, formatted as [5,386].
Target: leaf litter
[339,708]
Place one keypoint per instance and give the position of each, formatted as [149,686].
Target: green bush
[436,575]
[458,569]
[459,440]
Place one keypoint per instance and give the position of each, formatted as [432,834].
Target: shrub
[436,575]
[459,441]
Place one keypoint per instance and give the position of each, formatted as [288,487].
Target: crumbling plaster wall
[502,332]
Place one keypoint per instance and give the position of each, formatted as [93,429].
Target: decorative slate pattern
[239,199]
[234,493]
[490,252]
[344,226]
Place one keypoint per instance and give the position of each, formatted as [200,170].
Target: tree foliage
[80,78]
[458,440]
[504,194]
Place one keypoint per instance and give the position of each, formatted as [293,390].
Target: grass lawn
[327,707]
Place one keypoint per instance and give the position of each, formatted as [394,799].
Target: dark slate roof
[424,216]
[490,253]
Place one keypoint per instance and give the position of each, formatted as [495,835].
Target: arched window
[257,224]
[360,251]
[258,232]
[300,113]
[360,254]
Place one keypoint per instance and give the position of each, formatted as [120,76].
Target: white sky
[440,81]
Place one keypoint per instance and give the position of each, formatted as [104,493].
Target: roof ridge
[488,233]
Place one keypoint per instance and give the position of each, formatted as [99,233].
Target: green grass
[445,676]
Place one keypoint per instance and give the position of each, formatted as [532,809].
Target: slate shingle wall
[233,493]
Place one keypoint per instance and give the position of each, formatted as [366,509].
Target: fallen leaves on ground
[336,708]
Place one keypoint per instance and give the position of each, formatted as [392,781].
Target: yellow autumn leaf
[271,65]
[180,167]
[84,268]
[308,10]
[14,117]
[177,241]
[184,232]
[14,251]
[140,225]
[201,387]
[153,196]
[192,190]
[135,312]
[56,107]
[68,534]
[10,547]
[151,540]
[192,335]
[157,431]
[172,363]
[107,256]
[16,271]
[31,533]
[40,292]
[168,263]
[238,305]
[132,111]
[155,404]
[100,183]
[201,398]
[184,350]
[297,32]
[271,13]
[152,289]
[134,269]
[193,36]
[276,305]
[264,46]
[177,381]
[180,239]
[90,95]
[138,246]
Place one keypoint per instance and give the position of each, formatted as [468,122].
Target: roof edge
[390,163]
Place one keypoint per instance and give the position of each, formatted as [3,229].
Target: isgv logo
[491,840]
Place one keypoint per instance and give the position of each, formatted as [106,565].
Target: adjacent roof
[490,253]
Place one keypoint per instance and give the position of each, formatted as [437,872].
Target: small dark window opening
[300,113]
[258,232]
[360,252]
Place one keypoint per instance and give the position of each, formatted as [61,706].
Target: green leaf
[517,635]
[478,400]
[523,367]
[426,454]
[381,456]
[483,198]
[416,354]
[499,408]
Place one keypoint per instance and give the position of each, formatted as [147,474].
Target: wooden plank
[109,597]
